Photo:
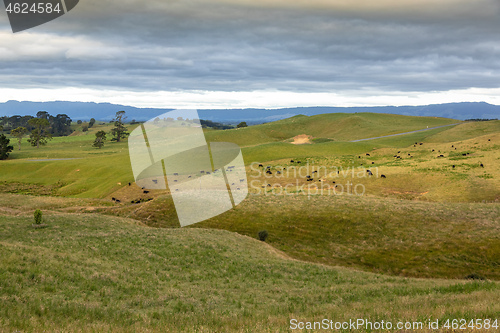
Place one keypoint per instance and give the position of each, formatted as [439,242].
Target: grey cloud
[212,45]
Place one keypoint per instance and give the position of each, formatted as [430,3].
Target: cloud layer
[316,46]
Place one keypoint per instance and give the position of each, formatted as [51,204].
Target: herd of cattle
[309,178]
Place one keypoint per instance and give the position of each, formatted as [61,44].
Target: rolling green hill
[94,273]
[336,126]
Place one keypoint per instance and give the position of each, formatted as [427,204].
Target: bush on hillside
[263,234]
[38,216]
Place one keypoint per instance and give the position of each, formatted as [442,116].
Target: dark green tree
[40,135]
[242,124]
[91,122]
[19,133]
[5,148]
[119,131]
[85,127]
[100,137]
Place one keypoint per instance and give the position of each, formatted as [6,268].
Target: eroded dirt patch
[302,139]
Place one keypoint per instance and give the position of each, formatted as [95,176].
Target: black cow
[129,184]
[291,161]
[176,174]
[453,166]
[261,166]
[369,173]
[155,181]
[482,166]
[383,176]
[464,154]
[114,199]
[145,192]
[117,201]
[367,154]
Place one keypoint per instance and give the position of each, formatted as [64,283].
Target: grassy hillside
[336,126]
[94,273]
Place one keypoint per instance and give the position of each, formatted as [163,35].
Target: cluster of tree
[480,119]
[119,132]
[5,148]
[214,125]
[59,125]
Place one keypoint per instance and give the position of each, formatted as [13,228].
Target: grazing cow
[395,156]
[189,176]
[464,154]
[261,165]
[278,172]
[383,176]
[440,156]
[433,150]
[268,185]
[129,184]
[201,171]
[291,161]
[208,173]
[145,192]
[315,172]
[359,156]
[369,173]
[415,143]
[176,174]
[367,154]
[399,152]
[114,199]
[453,166]
[118,201]
[482,166]
[333,182]
[489,139]
[398,157]
[143,188]
[310,179]
[455,148]
[299,162]
[308,176]
[338,172]
[452,146]
[175,180]
[414,146]
[421,143]
[242,180]
[155,181]
[409,154]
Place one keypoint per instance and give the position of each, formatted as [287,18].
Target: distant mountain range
[106,111]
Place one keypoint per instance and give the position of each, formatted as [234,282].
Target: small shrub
[263,234]
[474,276]
[38,216]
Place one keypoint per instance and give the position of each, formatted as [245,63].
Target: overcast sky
[258,53]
